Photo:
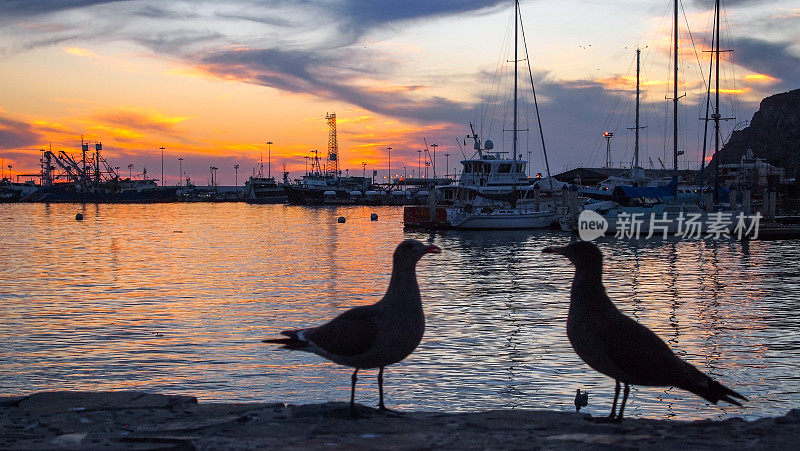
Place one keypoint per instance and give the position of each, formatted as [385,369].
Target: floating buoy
[79,217]
[341,220]
[373,217]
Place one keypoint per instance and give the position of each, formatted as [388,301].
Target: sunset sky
[212,82]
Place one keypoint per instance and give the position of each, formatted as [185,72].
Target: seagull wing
[642,357]
[351,333]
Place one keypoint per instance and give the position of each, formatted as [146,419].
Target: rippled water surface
[175,298]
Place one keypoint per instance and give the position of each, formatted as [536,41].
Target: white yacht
[493,191]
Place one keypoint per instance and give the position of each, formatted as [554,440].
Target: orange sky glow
[216,94]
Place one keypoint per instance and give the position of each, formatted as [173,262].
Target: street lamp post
[130,171]
[529,163]
[434,159]
[180,171]
[608,136]
[162,165]
[364,169]
[269,158]
[389,149]
[419,163]
[236,176]
[446,163]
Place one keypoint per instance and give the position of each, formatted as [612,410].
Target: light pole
[529,163]
[434,159]
[180,171]
[446,163]
[162,165]
[269,158]
[389,149]
[608,136]
[236,176]
[130,171]
[364,169]
[419,163]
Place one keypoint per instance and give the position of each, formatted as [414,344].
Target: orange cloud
[733,91]
[78,51]
[617,82]
[760,78]
[147,120]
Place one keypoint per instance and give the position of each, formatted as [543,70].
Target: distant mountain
[773,134]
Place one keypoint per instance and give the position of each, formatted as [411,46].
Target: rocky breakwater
[136,420]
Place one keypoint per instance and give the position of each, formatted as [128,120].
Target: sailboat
[662,204]
[493,192]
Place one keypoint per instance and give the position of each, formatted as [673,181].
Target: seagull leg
[381,405]
[624,400]
[614,406]
[353,380]
[612,416]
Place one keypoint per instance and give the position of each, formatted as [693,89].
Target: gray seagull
[372,336]
[618,346]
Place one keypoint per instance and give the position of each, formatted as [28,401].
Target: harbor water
[175,298]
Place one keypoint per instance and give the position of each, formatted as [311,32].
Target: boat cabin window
[487,168]
[521,167]
[467,168]
[504,168]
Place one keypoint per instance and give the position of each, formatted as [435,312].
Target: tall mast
[675,97]
[716,115]
[516,58]
[636,142]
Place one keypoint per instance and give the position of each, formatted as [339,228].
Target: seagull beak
[554,250]
[433,250]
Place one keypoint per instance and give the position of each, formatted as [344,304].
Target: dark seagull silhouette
[619,347]
[372,336]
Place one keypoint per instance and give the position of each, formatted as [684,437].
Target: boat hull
[501,219]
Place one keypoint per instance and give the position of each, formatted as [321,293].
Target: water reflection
[175,298]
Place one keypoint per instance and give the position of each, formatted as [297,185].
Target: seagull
[618,346]
[372,336]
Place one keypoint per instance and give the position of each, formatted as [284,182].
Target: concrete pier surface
[138,420]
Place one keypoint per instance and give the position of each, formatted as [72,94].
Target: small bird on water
[618,346]
[581,400]
[372,336]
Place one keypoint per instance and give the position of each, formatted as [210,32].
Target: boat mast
[716,115]
[675,97]
[536,105]
[636,141]
[516,58]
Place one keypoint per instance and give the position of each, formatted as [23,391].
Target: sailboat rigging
[481,205]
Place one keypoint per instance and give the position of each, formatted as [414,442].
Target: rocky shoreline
[138,420]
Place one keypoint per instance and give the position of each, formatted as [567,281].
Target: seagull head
[410,251]
[582,254]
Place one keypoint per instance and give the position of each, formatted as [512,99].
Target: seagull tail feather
[293,342]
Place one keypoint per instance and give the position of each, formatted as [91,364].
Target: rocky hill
[773,134]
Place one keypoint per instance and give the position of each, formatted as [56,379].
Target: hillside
[773,134]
